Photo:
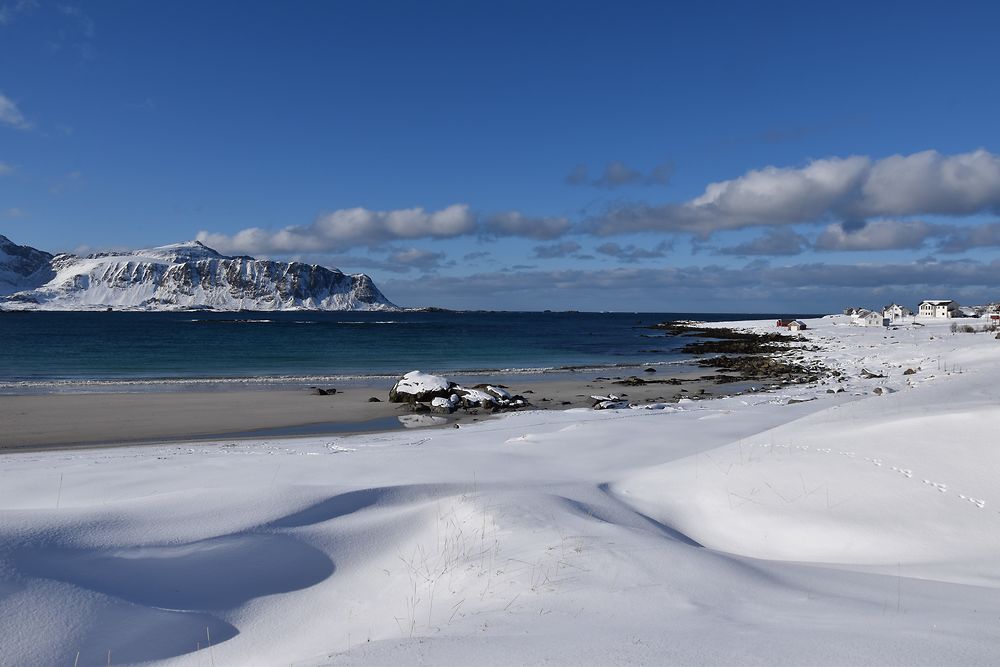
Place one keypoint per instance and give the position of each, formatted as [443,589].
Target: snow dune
[850,529]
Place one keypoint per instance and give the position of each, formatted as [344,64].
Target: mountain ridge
[179,276]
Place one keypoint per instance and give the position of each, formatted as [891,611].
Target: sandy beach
[40,421]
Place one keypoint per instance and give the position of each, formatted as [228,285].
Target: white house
[938,308]
[894,310]
[797,325]
[870,318]
[874,319]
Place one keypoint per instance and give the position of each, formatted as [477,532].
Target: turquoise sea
[77,351]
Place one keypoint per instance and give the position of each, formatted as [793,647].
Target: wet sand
[43,421]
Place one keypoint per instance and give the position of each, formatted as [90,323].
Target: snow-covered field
[856,528]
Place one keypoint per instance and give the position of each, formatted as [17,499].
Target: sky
[628,156]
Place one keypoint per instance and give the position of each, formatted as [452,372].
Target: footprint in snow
[975,501]
[943,488]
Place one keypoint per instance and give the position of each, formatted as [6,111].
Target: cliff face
[22,267]
[187,275]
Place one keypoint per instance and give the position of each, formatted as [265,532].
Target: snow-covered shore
[855,528]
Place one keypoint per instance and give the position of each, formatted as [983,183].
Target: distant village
[896,314]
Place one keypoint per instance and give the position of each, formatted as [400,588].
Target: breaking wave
[124,385]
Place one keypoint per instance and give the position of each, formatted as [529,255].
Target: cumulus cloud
[617,174]
[11,115]
[631,253]
[959,239]
[931,183]
[773,243]
[878,235]
[347,228]
[416,258]
[836,189]
[513,223]
[355,227]
[555,250]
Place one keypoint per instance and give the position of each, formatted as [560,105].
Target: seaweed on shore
[733,346]
[755,354]
[682,328]
[755,368]
[727,341]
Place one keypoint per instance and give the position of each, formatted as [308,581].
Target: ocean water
[66,351]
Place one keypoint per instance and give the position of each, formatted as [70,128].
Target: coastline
[34,422]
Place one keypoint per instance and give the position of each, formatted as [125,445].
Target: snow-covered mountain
[178,276]
[22,267]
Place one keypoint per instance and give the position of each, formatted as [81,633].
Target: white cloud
[959,239]
[844,189]
[878,235]
[931,183]
[11,115]
[6,169]
[417,258]
[355,227]
[348,228]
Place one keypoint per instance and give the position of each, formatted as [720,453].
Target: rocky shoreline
[742,360]
[742,355]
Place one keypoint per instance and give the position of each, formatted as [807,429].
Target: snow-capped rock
[499,393]
[22,267]
[442,405]
[473,398]
[182,275]
[417,386]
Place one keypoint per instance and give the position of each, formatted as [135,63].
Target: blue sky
[522,155]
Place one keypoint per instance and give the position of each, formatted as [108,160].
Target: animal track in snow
[905,472]
[943,488]
[877,462]
[975,501]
